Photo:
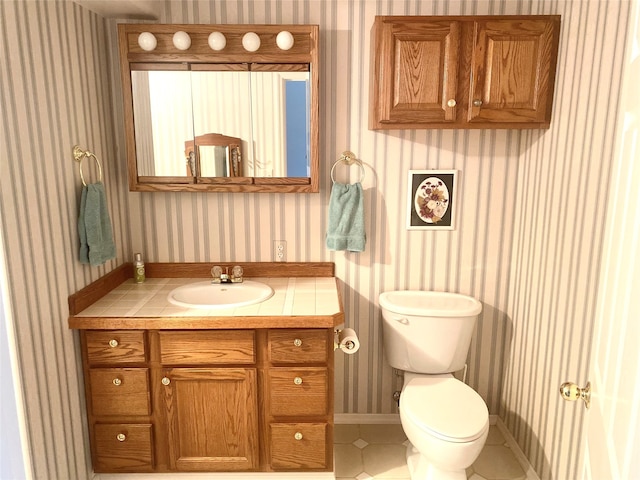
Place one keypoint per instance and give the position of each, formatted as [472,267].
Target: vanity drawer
[119,391]
[298,391]
[297,346]
[123,447]
[298,445]
[209,347]
[115,346]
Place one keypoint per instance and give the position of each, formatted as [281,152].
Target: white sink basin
[219,295]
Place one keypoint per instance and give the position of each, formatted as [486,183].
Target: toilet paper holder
[346,340]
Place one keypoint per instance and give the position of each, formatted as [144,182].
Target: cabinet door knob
[113,343]
[297,381]
[451,103]
[298,436]
[297,342]
[166,381]
[121,437]
[477,102]
[117,382]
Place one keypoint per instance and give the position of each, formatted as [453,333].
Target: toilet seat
[445,408]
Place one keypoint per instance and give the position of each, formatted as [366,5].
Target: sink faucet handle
[236,274]
[216,273]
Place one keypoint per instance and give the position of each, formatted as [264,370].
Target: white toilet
[427,334]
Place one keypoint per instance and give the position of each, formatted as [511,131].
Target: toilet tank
[427,332]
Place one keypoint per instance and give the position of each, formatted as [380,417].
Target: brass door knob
[165,381]
[572,392]
[451,103]
[477,102]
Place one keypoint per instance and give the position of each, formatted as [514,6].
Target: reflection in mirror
[280,123]
[214,155]
[269,111]
[163,118]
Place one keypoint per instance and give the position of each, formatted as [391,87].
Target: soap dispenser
[138,269]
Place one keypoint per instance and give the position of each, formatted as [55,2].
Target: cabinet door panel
[212,418]
[512,65]
[417,72]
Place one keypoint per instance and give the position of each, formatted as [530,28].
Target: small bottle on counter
[138,269]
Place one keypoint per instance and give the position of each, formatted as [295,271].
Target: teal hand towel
[346,218]
[82,230]
[97,224]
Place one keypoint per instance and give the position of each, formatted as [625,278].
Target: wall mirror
[230,118]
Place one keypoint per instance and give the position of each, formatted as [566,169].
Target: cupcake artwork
[430,199]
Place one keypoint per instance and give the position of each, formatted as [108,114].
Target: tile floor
[365,452]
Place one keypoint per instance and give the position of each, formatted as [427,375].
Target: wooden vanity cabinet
[463,71]
[210,400]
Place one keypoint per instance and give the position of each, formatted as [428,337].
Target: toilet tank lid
[432,304]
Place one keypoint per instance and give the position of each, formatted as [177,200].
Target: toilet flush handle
[403,320]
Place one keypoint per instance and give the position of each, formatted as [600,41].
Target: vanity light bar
[225,39]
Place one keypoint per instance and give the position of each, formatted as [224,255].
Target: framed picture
[431,199]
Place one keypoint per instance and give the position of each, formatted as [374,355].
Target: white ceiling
[133,9]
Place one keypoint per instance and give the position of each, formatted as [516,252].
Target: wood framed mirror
[266,101]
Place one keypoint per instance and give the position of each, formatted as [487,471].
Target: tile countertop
[297,302]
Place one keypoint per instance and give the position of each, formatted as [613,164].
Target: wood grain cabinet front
[297,446]
[463,71]
[209,400]
[120,391]
[123,448]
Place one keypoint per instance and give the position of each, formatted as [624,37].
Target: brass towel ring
[79,155]
[349,158]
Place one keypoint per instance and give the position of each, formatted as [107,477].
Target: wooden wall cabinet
[209,400]
[463,71]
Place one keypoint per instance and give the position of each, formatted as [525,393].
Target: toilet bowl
[447,424]
[427,335]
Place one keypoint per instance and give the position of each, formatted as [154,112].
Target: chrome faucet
[219,277]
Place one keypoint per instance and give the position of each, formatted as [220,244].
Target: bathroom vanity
[193,390]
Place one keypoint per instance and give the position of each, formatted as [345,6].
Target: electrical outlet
[280,250]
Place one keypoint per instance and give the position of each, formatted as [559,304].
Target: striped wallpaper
[527,242]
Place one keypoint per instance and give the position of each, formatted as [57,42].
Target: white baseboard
[378,418]
[366,418]
[217,476]
[517,452]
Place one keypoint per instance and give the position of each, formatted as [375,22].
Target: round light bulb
[182,40]
[147,41]
[284,40]
[217,41]
[251,42]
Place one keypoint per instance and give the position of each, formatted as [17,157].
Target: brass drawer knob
[166,381]
[113,343]
[297,342]
[451,103]
[121,437]
[297,381]
[298,436]
[477,102]
[117,382]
